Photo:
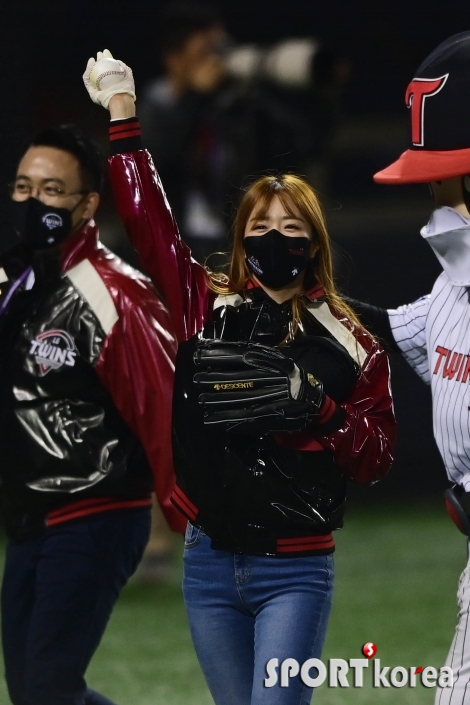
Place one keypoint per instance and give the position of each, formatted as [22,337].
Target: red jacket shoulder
[131,290]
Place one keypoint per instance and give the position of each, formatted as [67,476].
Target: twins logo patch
[52,221]
[53,349]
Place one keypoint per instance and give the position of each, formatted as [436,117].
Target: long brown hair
[293,193]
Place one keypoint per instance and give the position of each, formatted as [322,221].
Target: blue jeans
[245,610]
[58,592]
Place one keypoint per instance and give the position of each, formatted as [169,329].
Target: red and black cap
[438,98]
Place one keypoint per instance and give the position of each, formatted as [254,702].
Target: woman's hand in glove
[250,387]
[119,98]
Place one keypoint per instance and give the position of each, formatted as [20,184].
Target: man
[433,333]
[86,362]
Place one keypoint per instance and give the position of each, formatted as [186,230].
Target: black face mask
[38,225]
[276,259]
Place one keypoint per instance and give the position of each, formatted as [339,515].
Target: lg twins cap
[438,99]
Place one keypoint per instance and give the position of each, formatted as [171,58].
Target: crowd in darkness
[220,113]
[44,51]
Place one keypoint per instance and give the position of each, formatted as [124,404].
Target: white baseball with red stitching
[106,73]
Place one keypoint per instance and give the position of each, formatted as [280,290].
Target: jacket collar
[316,292]
[448,234]
[79,246]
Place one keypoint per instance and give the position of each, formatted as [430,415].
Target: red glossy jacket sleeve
[136,366]
[152,230]
[363,437]
[363,446]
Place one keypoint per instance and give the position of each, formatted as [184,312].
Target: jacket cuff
[332,417]
[125,136]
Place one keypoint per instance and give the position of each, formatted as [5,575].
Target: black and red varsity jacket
[282,494]
[86,372]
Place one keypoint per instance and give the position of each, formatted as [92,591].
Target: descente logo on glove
[234,385]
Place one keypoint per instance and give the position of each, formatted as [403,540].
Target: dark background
[380,255]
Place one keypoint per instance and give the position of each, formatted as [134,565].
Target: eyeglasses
[23,190]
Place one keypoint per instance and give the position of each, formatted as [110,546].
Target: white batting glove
[102,97]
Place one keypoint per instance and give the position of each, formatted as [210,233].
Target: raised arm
[146,213]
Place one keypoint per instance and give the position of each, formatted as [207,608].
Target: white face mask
[448,233]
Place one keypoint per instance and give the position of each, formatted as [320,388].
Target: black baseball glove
[248,387]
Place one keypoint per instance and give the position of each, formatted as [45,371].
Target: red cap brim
[422,166]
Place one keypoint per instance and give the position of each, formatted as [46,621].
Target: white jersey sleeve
[408,324]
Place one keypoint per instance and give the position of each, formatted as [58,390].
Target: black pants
[58,593]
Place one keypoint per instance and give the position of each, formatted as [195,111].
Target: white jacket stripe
[89,284]
[321,311]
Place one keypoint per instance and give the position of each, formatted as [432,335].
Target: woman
[280,396]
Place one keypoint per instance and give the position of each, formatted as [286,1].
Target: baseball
[106,73]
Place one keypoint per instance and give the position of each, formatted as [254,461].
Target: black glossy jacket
[86,366]
[284,493]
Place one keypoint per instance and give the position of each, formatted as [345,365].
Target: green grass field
[396,578]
